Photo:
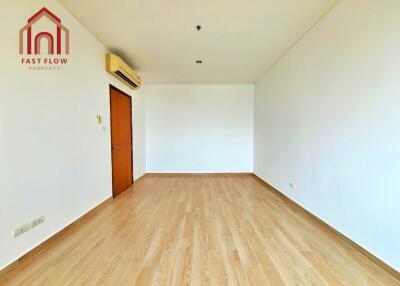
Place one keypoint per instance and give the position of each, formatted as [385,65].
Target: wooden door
[121,140]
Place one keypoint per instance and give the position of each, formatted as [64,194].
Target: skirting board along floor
[341,236]
[198,230]
[52,240]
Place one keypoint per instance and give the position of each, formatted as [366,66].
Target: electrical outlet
[37,221]
[20,230]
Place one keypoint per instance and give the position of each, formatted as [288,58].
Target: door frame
[111,87]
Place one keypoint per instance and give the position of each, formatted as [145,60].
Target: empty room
[214,142]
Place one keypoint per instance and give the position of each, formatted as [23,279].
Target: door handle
[114,148]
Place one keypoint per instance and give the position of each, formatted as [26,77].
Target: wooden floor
[197,230]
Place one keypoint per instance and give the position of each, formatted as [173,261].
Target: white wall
[327,119]
[199,128]
[55,161]
[139,130]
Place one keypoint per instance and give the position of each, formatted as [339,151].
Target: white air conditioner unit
[120,70]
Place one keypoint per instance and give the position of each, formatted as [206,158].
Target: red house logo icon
[57,37]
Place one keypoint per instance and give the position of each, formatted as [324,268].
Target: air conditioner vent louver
[120,74]
[120,70]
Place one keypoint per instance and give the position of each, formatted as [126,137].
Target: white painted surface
[199,128]
[239,41]
[139,130]
[55,160]
[327,119]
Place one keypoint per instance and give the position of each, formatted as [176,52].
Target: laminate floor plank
[209,230]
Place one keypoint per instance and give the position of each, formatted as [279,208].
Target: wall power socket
[27,226]
[37,221]
[22,229]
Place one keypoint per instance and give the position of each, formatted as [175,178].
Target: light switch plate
[98,119]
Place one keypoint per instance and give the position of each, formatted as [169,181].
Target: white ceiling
[239,41]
